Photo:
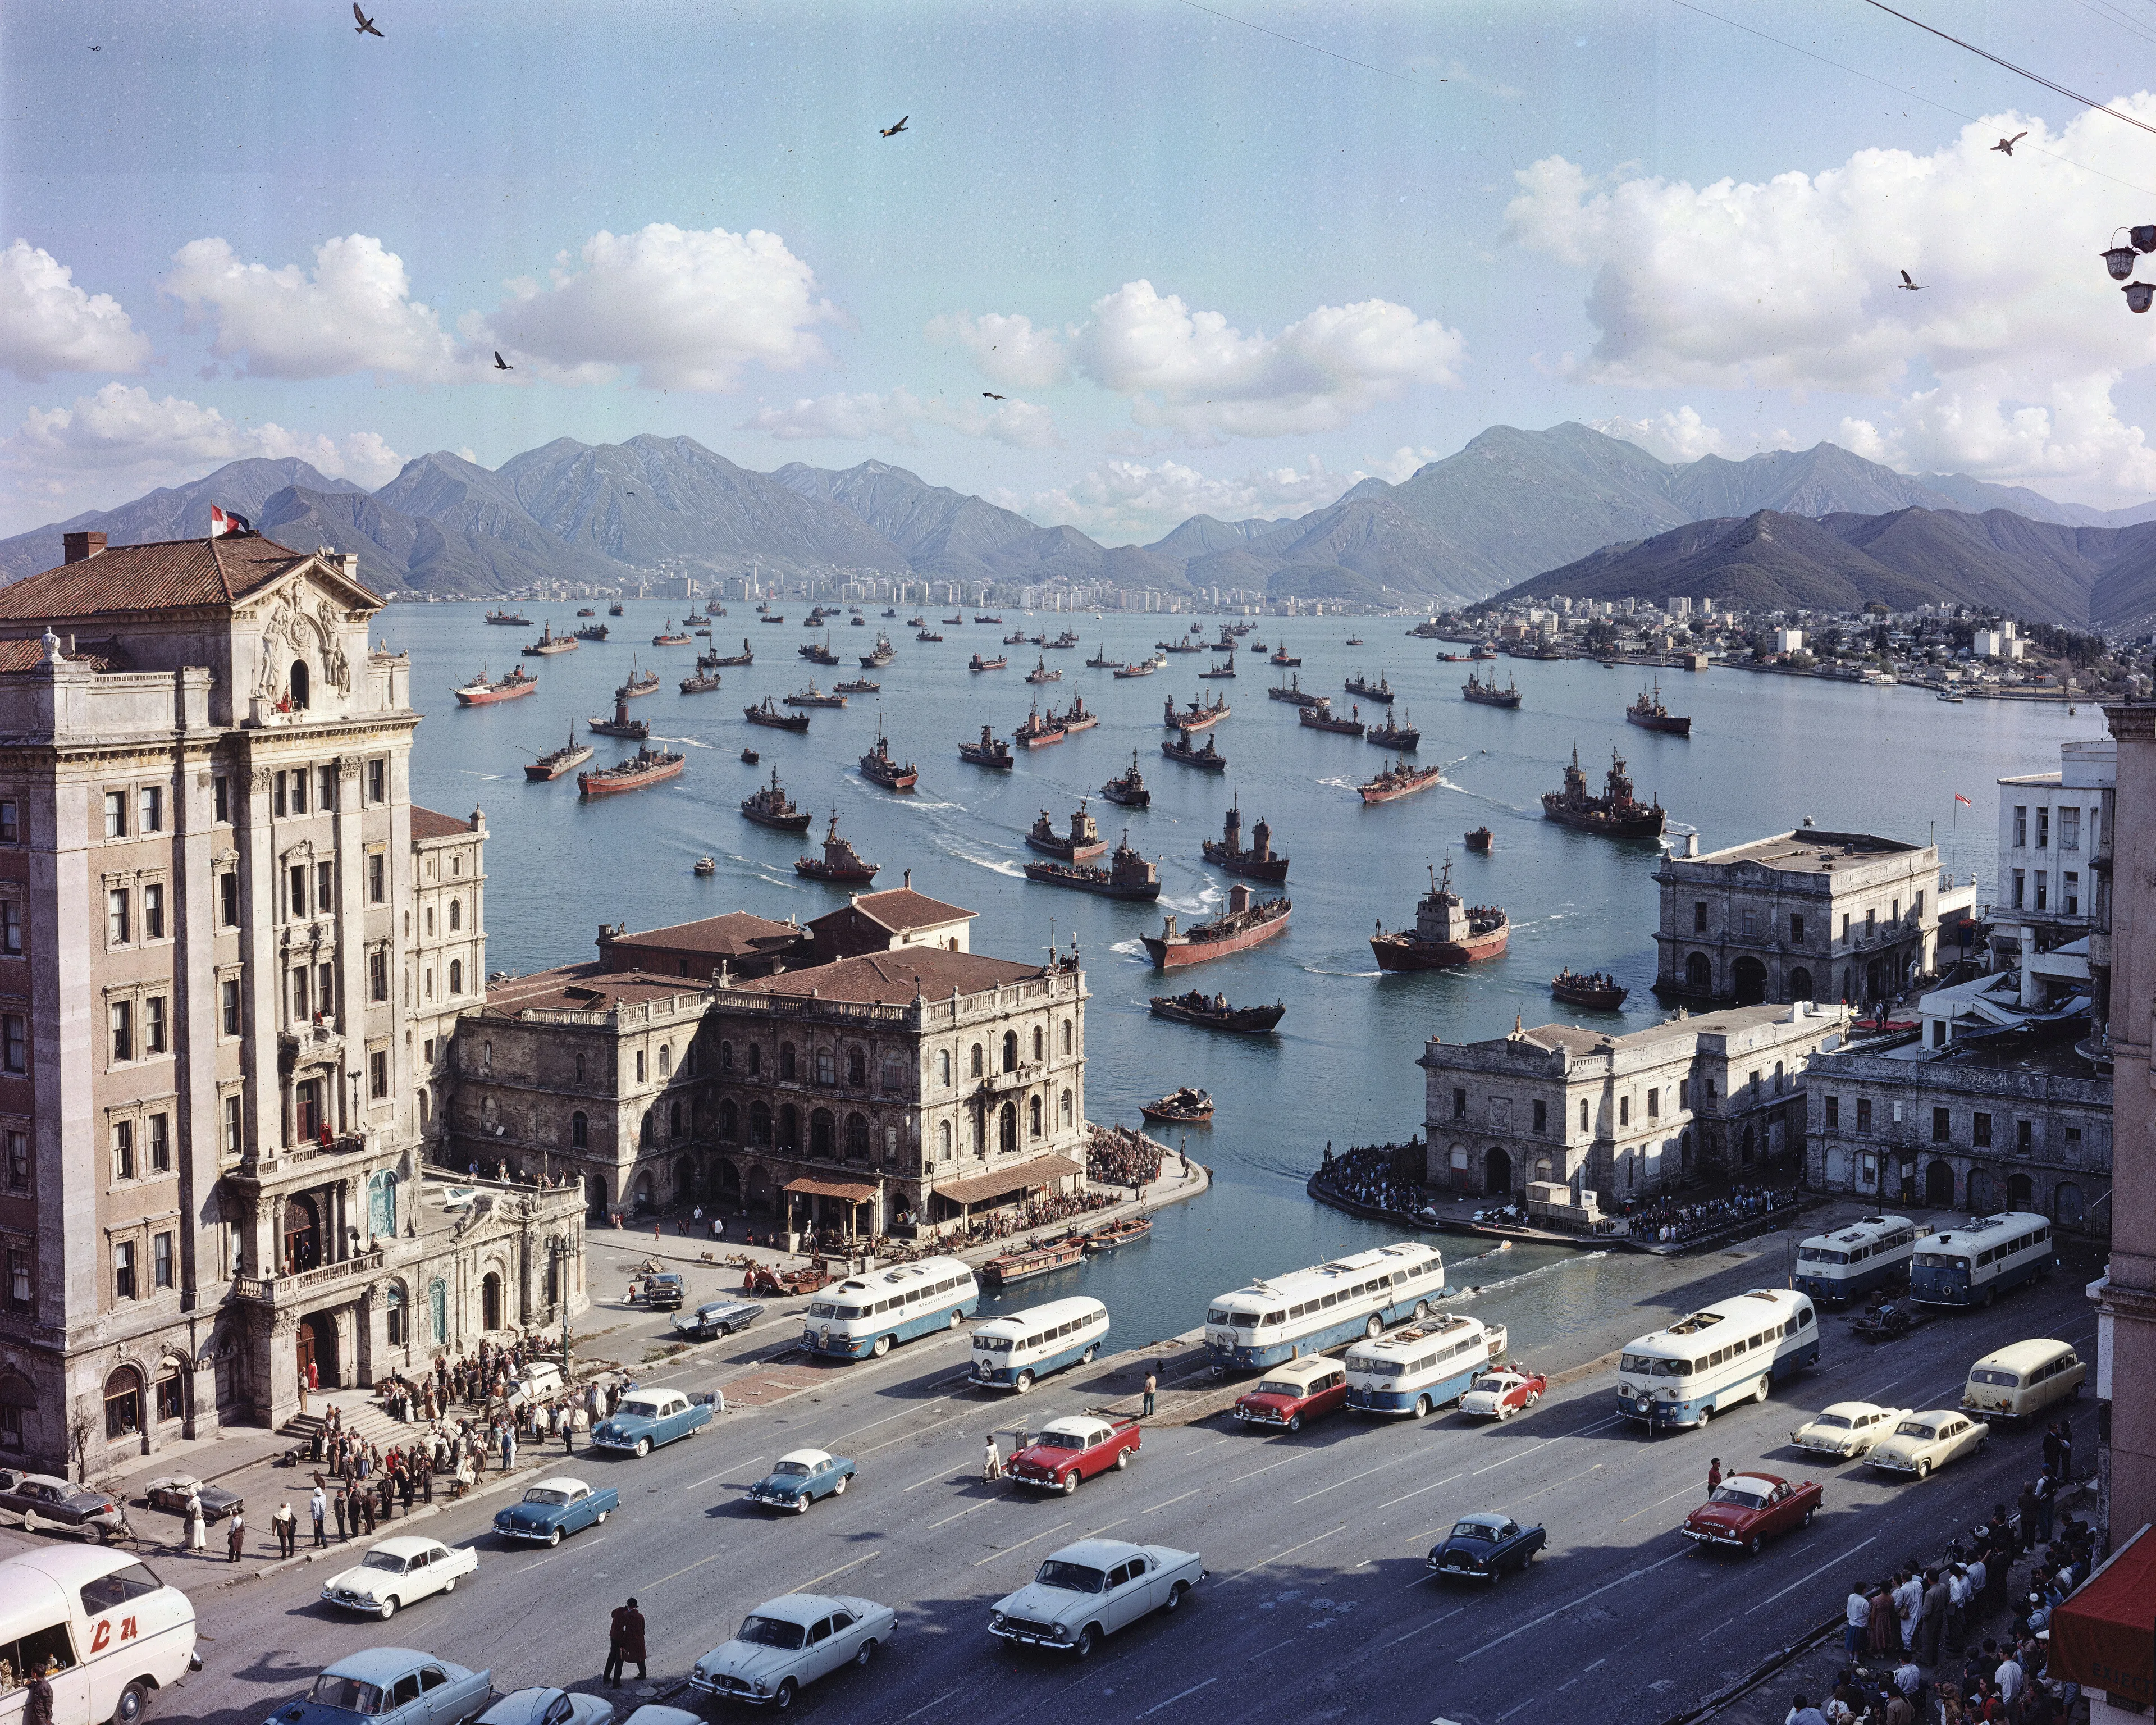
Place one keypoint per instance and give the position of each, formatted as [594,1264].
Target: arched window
[759,1124]
[725,1057]
[393,1305]
[580,1130]
[1033,1116]
[1800,983]
[789,1127]
[123,1404]
[943,1067]
[1778,1078]
[301,692]
[943,1142]
[381,1204]
[665,1060]
[1699,974]
[857,1067]
[456,976]
[1010,1050]
[729,1121]
[456,915]
[1009,1121]
[674,1119]
[1064,1111]
[1039,1044]
[19,1405]
[977,1060]
[786,1059]
[857,1138]
[820,1133]
[1068,1036]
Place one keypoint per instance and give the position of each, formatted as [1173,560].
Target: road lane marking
[1515,1455]
[908,1437]
[1874,1397]
[1613,1419]
[1552,1486]
[1714,1632]
[1596,1666]
[924,1708]
[1364,1474]
[1172,1699]
[1420,1490]
[902,1414]
[582,1545]
[867,1558]
[1574,1606]
[1091,1532]
[1192,1492]
[1681,1491]
[1566,1685]
[730,1467]
[1522,1708]
[1420,1627]
[932,1479]
[1278,1555]
[983,1504]
[542,1561]
[1235,1478]
[1023,1544]
[1822,1570]
[1274,1648]
[698,1565]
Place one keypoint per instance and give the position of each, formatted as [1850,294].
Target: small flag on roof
[224,521]
[1959,798]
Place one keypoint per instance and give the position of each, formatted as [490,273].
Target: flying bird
[501,364]
[2004,147]
[1909,286]
[990,395]
[366,27]
[892,132]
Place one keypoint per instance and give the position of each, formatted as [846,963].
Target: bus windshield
[993,1344]
[1940,1260]
[1647,1365]
[1820,1254]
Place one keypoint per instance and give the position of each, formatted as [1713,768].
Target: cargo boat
[1024,1265]
[549,643]
[991,751]
[1402,736]
[1245,923]
[1197,715]
[647,767]
[1282,656]
[840,861]
[1616,813]
[1597,991]
[1649,714]
[1141,668]
[817,652]
[1294,693]
[814,696]
[997,621]
[1211,1012]
[614,610]
[1380,691]
[552,765]
[1446,932]
[877,768]
[701,684]
[1037,732]
[639,683]
[1067,639]
[1184,646]
[1188,1107]
[1209,759]
[1041,674]
[1397,780]
[1489,694]
[1127,1232]
[1129,788]
[1127,875]
[882,656]
[1101,661]
[1258,863]
[765,713]
[1221,673]
[1482,841]
[926,634]
[620,725]
[591,631]
[479,692]
[587,611]
[509,620]
[1320,717]
[670,636]
[1083,841]
[716,661]
[771,807]
[979,664]
[1079,718]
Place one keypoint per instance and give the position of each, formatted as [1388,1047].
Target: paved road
[1315,1607]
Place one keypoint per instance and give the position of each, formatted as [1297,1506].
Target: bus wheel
[1985,1303]
[1422,1407]
[1759,1391]
[1086,1358]
[1373,1325]
[882,1345]
[1422,1310]
[134,1701]
[956,1319]
[1025,1383]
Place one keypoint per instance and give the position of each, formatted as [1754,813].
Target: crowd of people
[1668,1222]
[1041,1212]
[1116,1156]
[1367,1175]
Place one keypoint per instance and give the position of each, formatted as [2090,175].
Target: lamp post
[558,1251]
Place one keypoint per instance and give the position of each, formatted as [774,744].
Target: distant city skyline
[1126,264]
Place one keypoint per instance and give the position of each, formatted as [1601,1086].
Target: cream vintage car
[398,1572]
[1848,1429]
[1924,1442]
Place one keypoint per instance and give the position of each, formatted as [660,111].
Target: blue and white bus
[1011,1352]
[864,1314]
[1308,1311]
[1422,1367]
[1854,1260]
[1733,1351]
[1972,1263]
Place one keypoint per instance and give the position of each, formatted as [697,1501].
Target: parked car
[1483,1546]
[539,1379]
[40,1498]
[169,1493]
[1291,1395]
[1499,1395]
[787,1643]
[1075,1448]
[390,1686]
[1089,1590]
[2019,1382]
[553,1508]
[717,1317]
[398,1572]
[1926,1441]
[1748,1509]
[548,1707]
[800,1477]
[1848,1429]
[646,1420]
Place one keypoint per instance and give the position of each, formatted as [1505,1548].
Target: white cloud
[48,324]
[1021,424]
[1402,465]
[354,312]
[1136,499]
[1680,435]
[1007,349]
[2068,431]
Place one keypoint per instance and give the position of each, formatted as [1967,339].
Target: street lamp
[2119,259]
[2138,295]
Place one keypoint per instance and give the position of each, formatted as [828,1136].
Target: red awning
[2104,1637]
[850,1190]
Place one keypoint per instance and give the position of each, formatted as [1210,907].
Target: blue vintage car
[648,1419]
[801,1477]
[555,1506]
[390,1685]
[1483,1546]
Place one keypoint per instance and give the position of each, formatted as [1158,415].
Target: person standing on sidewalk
[508,1448]
[1152,1383]
[2024,1506]
[318,1507]
[1713,1475]
[287,1528]
[235,1534]
[1856,1627]
[2046,1487]
[624,1643]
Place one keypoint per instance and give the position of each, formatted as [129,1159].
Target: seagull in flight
[892,132]
[501,364]
[990,395]
[365,26]
[1909,286]
[2004,147]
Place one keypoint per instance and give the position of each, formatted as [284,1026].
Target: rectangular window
[1582,1114]
[2020,888]
[228,899]
[295,890]
[153,910]
[1459,1104]
[228,1006]
[2020,826]
[299,790]
[220,800]
[326,788]
[160,1259]
[2043,891]
[300,994]
[1895,915]
[2072,902]
[378,976]
[1654,1104]
[115,815]
[2023,1131]
[1844,924]
[153,1024]
[326,887]
[172,1403]
[2069,829]
[150,800]
[325,988]
[11,927]
[11,822]
[123,1150]
[378,1075]
[123,1270]
[1684,1093]
[1699,917]
[2043,829]
[1624,1110]
[18,1147]
[377,781]
[1541,1116]
[234,1125]
[1980,1130]
[1917,910]
[2073,1137]
[14,1042]
[1864,1114]
[20,1280]
[1942,1126]
[1870,923]
[1833,1113]
[123,1030]
[1796,931]
[119,923]
[377,879]
[277,803]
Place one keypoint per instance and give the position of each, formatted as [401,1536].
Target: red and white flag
[1964,801]
[224,521]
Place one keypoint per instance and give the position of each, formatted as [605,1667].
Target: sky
[1127,263]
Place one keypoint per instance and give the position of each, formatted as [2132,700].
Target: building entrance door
[1497,1174]
[1748,978]
[317,1348]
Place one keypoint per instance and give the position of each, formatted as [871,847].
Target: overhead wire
[1297,41]
[2052,84]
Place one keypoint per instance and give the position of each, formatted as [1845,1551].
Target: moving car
[663,1292]
[800,1477]
[169,1493]
[548,1707]
[787,1643]
[1499,1395]
[1748,1509]
[390,1686]
[1929,1441]
[1075,1447]
[1089,1590]
[2019,1382]
[645,1419]
[1301,1390]
[1483,1546]
[553,1508]
[1848,1429]
[717,1317]
[398,1571]
[38,1497]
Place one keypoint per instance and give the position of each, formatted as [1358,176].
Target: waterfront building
[1805,915]
[1623,1116]
[214,934]
[2052,828]
[743,944]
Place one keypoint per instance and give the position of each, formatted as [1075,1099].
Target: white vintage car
[1925,1441]
[1089,1590]
[397,1573]
[1848,1429]
[786,1644]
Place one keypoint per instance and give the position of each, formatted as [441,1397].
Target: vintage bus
[1013,1352]
[864,1314]
[115,1634]
[1732,1352]
[1853,1260]
[1972,1263]
[1308,1311]
[1422,1367]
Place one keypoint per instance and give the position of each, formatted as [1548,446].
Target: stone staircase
[361,1418]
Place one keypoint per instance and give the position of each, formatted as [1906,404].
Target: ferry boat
[705,866]
[1296,694]
[840,861]
[479,692]
[591,631]
[1282,656]
[883,655]
[814,696]
[1380,691]
[1127,875]
[1244,923]
[1030,1262]
[1402,737]
[1197,715]
[1482,841]
[1212,1011]
[771,807]
[701,684]
[552,765]
[1489,694]
[1616,813]
[509,620]
[1083,841]
[647,767]
[1595,991]
[715,661]
[1041,674]
[1221,673]
[670,636]
[550,643]
[1649,714]
[1188,1106]
[1320,717]
[877,768]
[1101,661]
[1446,932]
[620,725]
[1396,781]
[1139,668]
[1037,732]
[817,652]
[858,685]
[639,683]
[991,751]
[999,663]
[1129,788]
[1127,1232]
[1209,759]
[766,713]
[1258,863]
[926,634]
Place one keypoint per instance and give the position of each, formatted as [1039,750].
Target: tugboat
[1041,674]
[549,643]
[1127,875]
[1245,923]
[954,619]
[647,766]
[1015,638]
[771,807]
[670,636]
[1101,661]
[1187,1106]
[978,663]
[1197,715]
[877,768]
[1296,694]
[926,634]
[1037,732]
[1380,691]
[701,684]
[620,725]
[814,696]
[1397,780]
[1068,639]
[1129,788]
[639,683]
[1079,718]
[765,713]
[1140,667]
[1282,656]
[1209,759]
[513,620]
[883,655]
[705,866]
[1616,813]
[916,623]
[1258,863]
[818,652]
[750,758]
[1482,841]
[1597,991]
[614,609]
[1211,1012]
[1489,694]
[591,631]
[1354,640]
[549,767]
[1403,737]
[587,611]
[714,661]
[1221,673]
[991,751]
[479,692]
[840,861]
[1084,842]
[1446,932]
[858,685]
[1320,717]
[1649,714]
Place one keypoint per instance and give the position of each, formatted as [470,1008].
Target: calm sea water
[1765,752]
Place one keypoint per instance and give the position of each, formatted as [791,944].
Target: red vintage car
[1292,1395]
[1065,1451]
[1499,1395]
[1748,1509]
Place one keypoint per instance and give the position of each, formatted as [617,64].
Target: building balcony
[306,1285]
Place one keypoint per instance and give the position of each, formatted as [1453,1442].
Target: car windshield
[1915,1429]
[793,1470]
[1832,1422]
[1071,1577]
[383,1560]
[771,1632]
[1473,1530]
[2004,1380]
[1742,1497]
[1276,1386]
[546,1494]
[1494,1385]
[1061,1441]
[347,1694]
[637,1410]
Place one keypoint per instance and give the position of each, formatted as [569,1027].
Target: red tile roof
[581,988]
[29,655]
[894,978]
[426,823]
[902,908]
[171,575]
[723,936]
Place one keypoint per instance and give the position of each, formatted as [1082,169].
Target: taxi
[1291,1395]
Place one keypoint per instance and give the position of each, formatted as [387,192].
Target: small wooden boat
[1187,1106]
[1013,1267]
[991,751]
[1482,841]
[566,758]
[1128,1232]
[1212,1011]
[1597,991]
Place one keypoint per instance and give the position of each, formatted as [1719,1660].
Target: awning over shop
[1019,1177]
[2104,1637]
[852,1191]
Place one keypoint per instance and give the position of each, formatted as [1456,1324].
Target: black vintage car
[663,1292]
[170,1492]
[717,1317]
[1483,1546]
[40,1498]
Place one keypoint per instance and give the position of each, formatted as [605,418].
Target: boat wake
[1320,970]
[994,866]
[1129,949]
[469,774]
[1508,1281]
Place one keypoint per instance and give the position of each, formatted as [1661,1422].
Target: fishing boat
[1380,691]
[1140,667]
[1282,656]
[818,652]
[1447,933]
[587,611]
[997,621]
[1211,1012]
[1649,714]
[1197,715]
[879,768]
[1127,1232]
[814,696]
[1255,646]
[1025,1265]
[991,751]
[1396,781]
[591,631]
[769,806]
[1244,923]
[858,685]
[953,619]
[1041,674]
[1015,638]
[1402,736]
[1209,759]
[1064,642]
[553,764]
[1187,1106]
[882,656]
[1489,694]
[1084,839]
[1127,875]
[550,643]
[716,661]
[639,683]
[1482,841]
[771,617]
[1101,661]
[840,861]
[509,620]
[1037,732]
[1354,640]
[1616,813]
[1296,694]
[614,610]
[1258,863]
[1221,673]
[647,766]
[999,663]
[916,623]
[695,617]
[1596,990]
[926,634]
[858,621]
[765,713]
[670,636]
[479,692]
[620,725]
[1180,646]
[701,684]
[1129,788]
[1321,717]
[1079,717]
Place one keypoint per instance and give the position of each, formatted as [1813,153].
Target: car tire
[1422,1407]
[1808,1514]
[1923,1469]
[388,1609]
[1374,1326]
[1504,1411]
[1295,1422]
[554,1538]
[801,1504]
[600,1518]
[782,1698]
[838,1487]
[864,1652]
[643,1448]
[1070,1482]
[1023,1382]
[1755,1545]
[450,1585]
[1532,1550]
[1122,1460]
[133,1703]
[1089,1638]
[881,1347]
[1175,1596]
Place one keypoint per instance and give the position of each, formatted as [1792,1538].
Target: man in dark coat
[38,1705]
[624,1643]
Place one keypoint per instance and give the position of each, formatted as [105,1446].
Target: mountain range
[1512,507]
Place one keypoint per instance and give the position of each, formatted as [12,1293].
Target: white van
[117,1633]
[2019,1382]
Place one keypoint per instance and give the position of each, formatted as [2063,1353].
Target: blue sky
[1205,267]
